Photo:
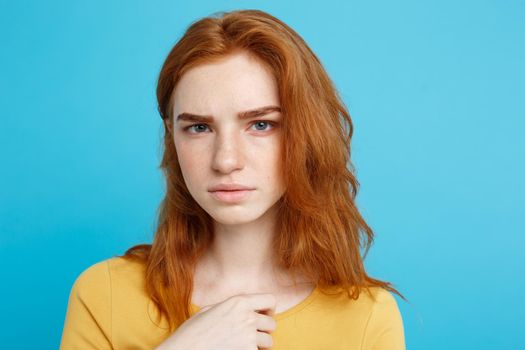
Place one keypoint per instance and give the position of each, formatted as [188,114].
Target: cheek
[191,163]
[272,164]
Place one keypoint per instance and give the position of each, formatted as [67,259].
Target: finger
[266,323]
[264,340]
[262,302]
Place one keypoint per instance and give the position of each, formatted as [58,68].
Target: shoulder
[383,306]
[99,278]
[369,300]
[373,317]
[88,316]
[372,306]
[113,266]
[126,269]
[379,298]
[384,325]
[106,298]
[92,279]
[108,286]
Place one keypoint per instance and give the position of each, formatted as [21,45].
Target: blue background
[435,89]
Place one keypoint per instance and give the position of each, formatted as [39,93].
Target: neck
[241,256]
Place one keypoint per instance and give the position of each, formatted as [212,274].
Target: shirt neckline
[286,313]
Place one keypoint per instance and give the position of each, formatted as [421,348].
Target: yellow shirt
[109,309]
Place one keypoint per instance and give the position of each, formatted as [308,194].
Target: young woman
[258,239]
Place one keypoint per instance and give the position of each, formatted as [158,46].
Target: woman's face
[223,148]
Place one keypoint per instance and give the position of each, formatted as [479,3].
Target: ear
[167,124]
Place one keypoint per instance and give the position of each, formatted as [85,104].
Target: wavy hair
[319,229]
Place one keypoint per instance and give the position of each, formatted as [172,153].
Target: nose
[228,153]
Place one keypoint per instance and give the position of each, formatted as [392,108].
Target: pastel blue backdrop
[435,89]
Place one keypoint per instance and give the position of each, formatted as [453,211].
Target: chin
[234,216]
[238,213]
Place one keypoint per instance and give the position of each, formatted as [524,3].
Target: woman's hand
[241,322]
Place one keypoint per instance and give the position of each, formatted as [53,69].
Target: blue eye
[191,126]
[201,125]
[259,122]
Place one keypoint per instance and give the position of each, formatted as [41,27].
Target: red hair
[319,228]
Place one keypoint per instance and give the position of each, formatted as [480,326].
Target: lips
[231,196]
[229,187]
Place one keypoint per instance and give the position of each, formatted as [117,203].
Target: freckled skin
[229,150]
[240,260]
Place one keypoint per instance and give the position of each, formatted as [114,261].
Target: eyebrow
[241,115]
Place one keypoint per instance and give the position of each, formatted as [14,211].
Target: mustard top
[108,308]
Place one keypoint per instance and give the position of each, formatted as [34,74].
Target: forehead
[233,83]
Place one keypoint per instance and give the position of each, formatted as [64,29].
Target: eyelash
[186,129]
